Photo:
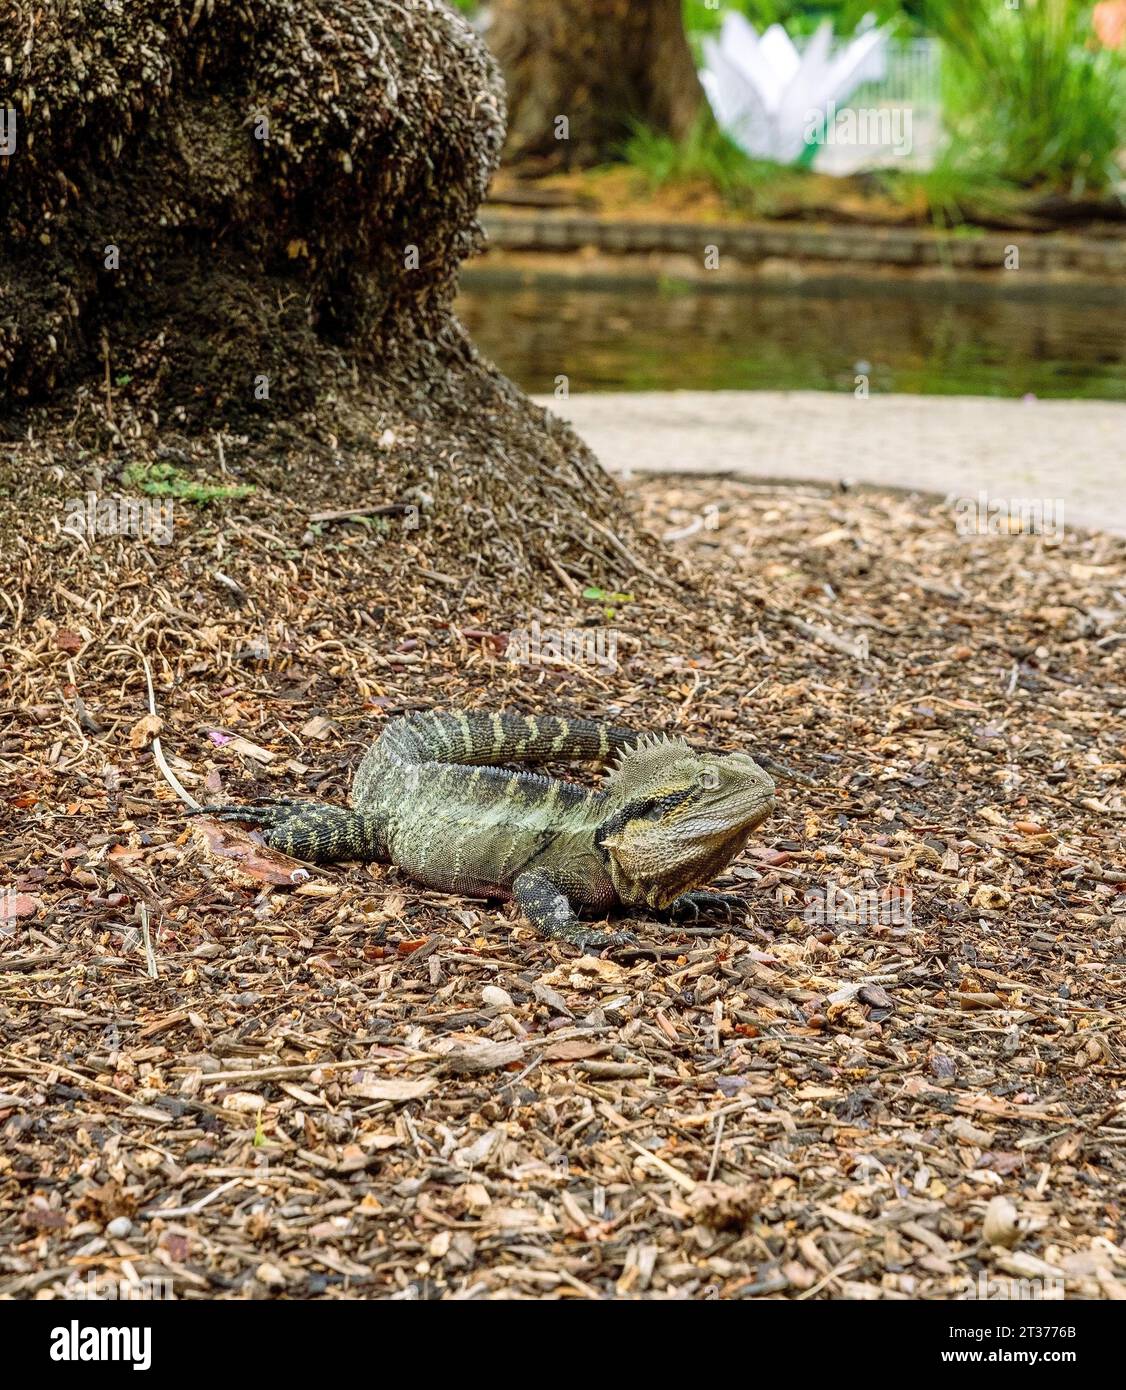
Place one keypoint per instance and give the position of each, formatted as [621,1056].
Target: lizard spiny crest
[651,754]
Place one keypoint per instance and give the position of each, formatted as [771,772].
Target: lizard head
[678,817]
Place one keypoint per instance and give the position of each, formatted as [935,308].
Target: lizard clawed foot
[695,905]
[586,940]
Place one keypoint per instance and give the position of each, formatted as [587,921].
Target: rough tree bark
[599,63]
[250,217]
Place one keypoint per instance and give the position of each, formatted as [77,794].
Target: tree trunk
[249,218]
[580,72]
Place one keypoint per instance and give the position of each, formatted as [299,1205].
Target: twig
[715,1147]
[827,638]
[157,752]
[150,954]
[792,774]
[438,579]
[21,1062]
[149,1212]
[622,550]
[682,1180]
[109,387]
[292,1072]
[383,509]
[564,578]
[29,962]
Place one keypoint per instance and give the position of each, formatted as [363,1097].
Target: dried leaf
[14,905]
[245,858]
[145,730]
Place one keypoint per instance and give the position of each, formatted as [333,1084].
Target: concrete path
[1074,450]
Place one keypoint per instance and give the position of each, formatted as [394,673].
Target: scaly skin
[430,797]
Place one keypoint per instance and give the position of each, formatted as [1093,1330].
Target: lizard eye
[709,779]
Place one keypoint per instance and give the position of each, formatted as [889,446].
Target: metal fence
[904,77]
[911,75]
[905,72]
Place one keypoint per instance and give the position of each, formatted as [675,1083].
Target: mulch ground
[353,1087]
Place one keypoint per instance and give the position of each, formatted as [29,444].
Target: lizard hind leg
[547,907]
[312,830]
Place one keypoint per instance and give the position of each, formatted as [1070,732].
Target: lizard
[433,797]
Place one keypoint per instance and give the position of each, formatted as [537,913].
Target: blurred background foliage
[1019,123]
[1030,93]
[1031,100]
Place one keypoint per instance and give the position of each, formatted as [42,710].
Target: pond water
[1067,341]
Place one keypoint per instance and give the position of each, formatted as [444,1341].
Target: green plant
[954,191]
[705,156]
[166,480]
[609,599]
[796,16]
[1030,94]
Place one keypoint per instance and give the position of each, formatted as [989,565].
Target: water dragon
[434,797]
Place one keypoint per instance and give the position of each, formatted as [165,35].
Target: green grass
[166,480]
[1030,95]
[707,156]
[953,193]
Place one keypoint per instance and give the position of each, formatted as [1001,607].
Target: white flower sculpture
[763,90]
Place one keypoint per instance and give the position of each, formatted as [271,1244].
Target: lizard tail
[487,739]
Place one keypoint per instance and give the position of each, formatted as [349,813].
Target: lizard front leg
[546,905]
[699,904]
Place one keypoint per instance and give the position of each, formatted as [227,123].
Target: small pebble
[1000,1224]
[496,998]
[119,1227]
[270,1275]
